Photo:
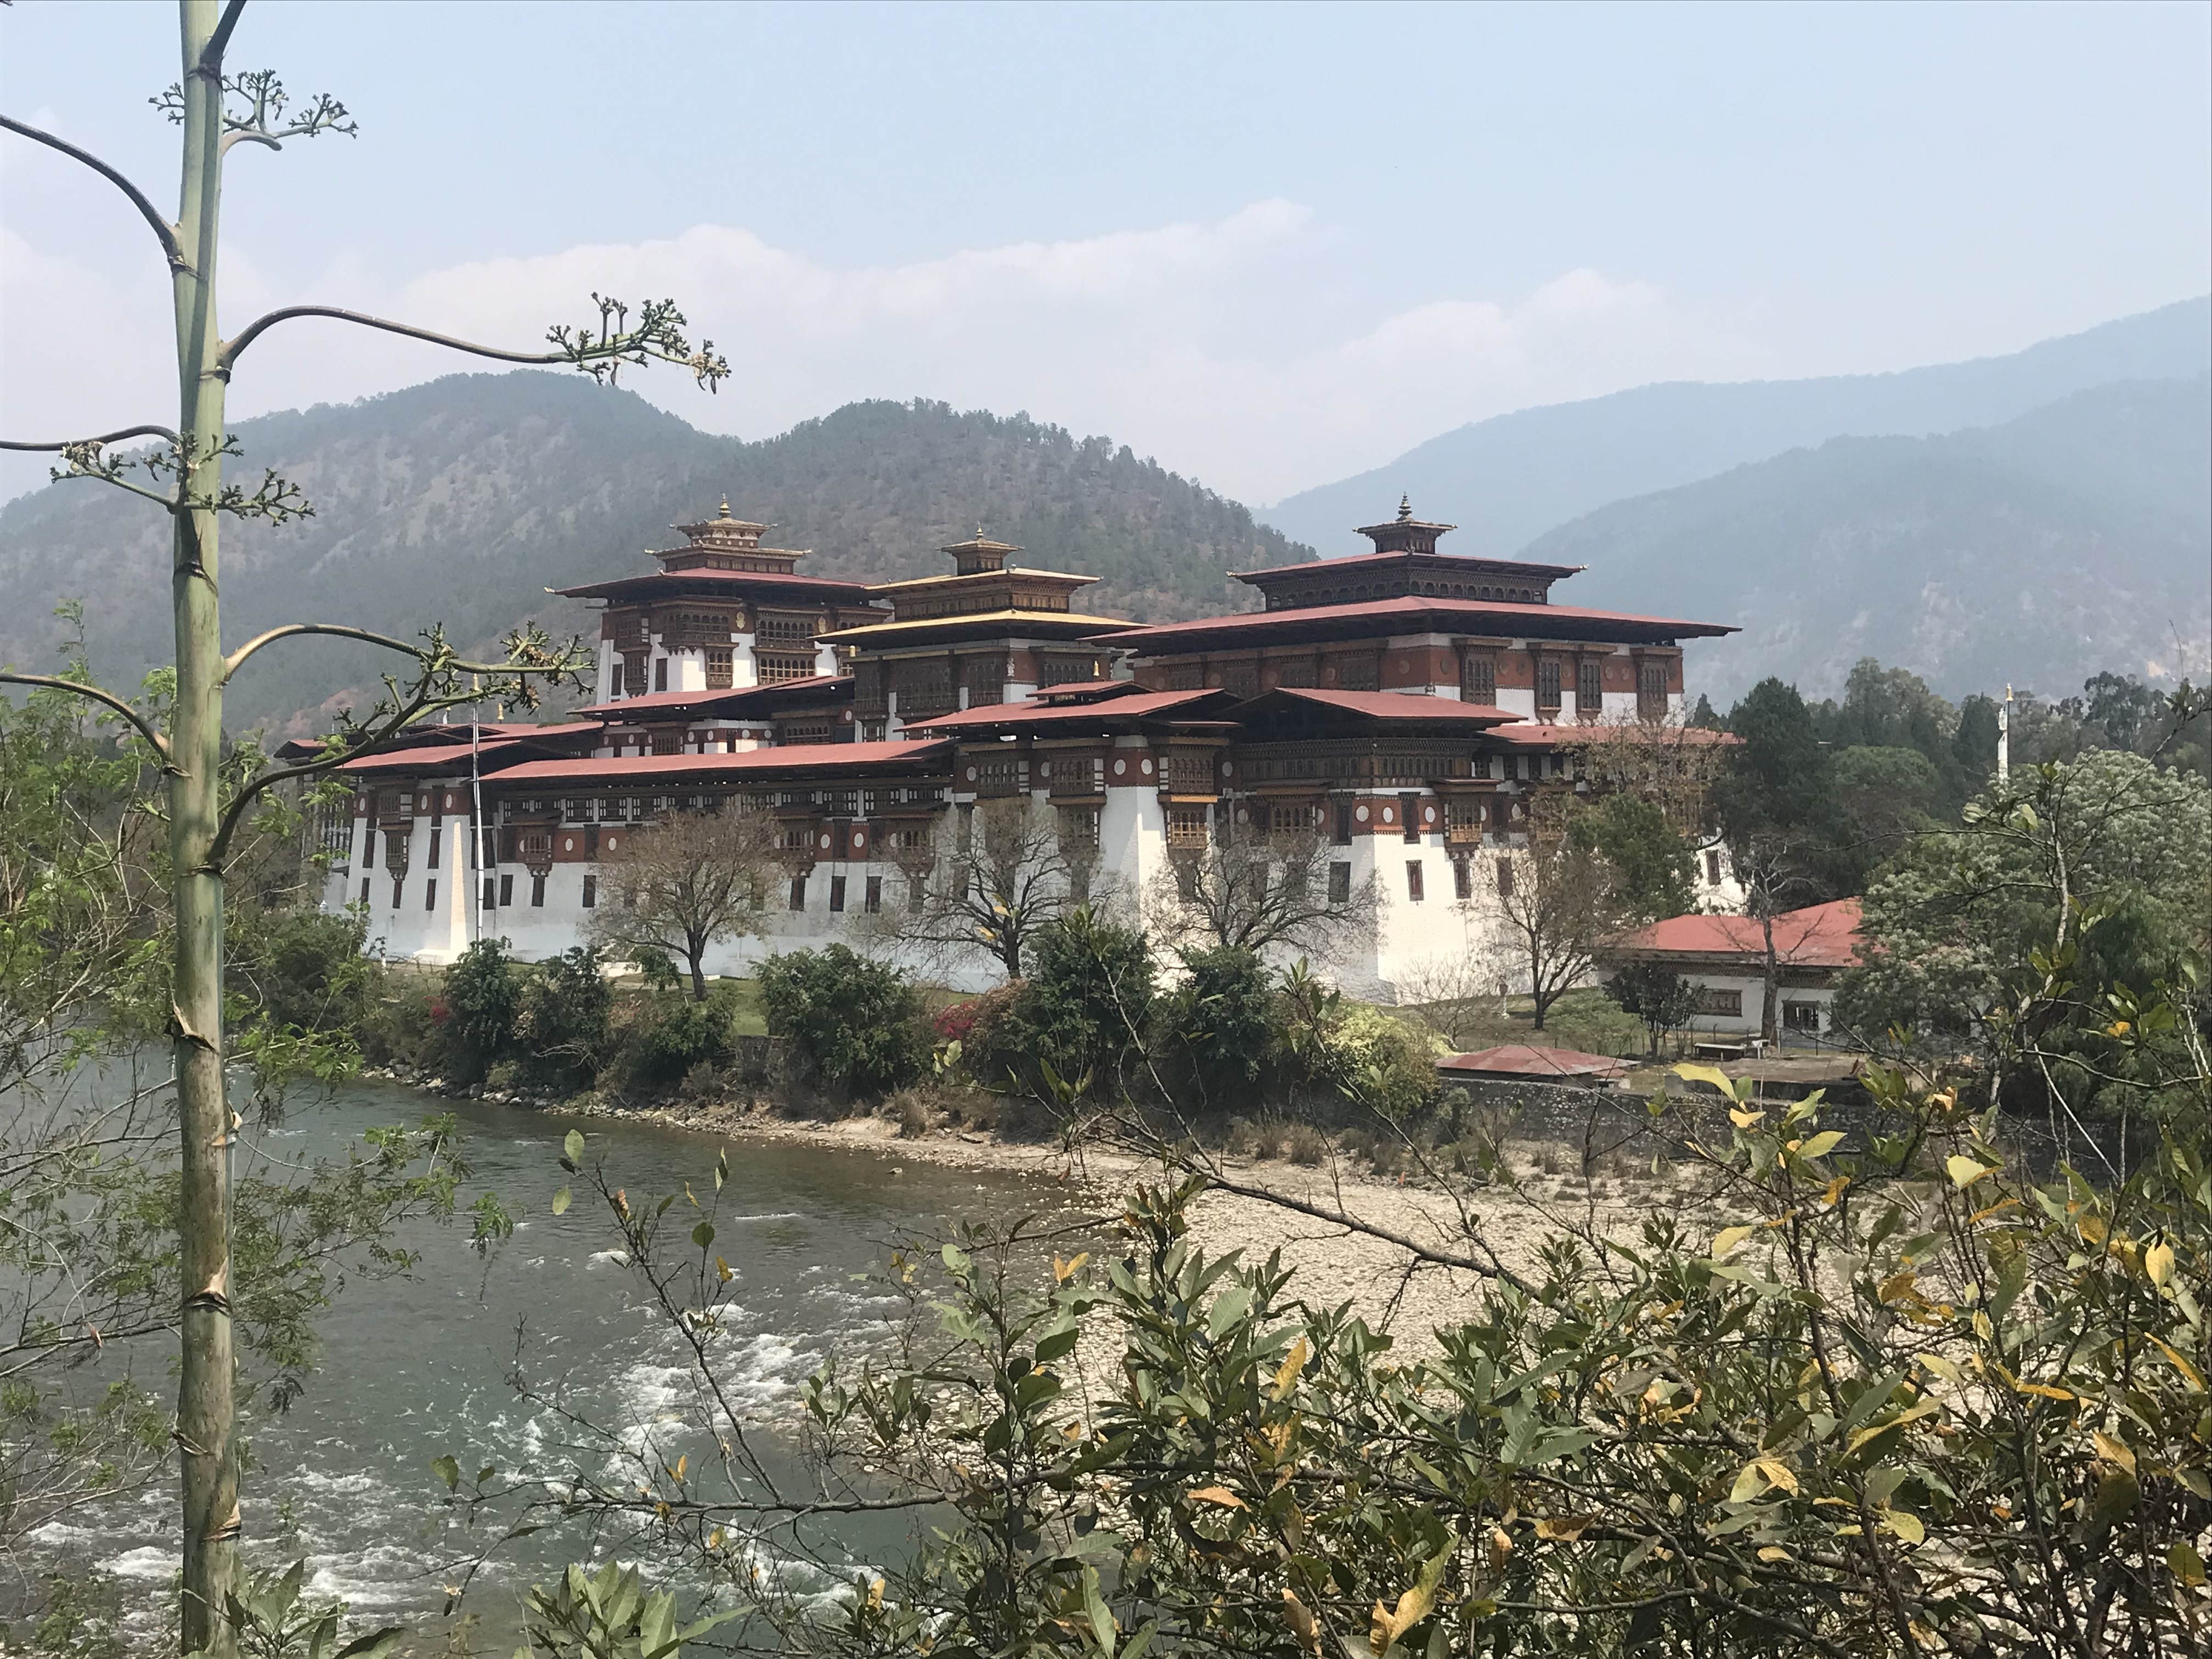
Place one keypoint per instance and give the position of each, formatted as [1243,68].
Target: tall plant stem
[206,1430]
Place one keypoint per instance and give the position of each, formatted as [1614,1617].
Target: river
[413,1368]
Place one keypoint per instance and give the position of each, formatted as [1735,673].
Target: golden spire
[1405,507]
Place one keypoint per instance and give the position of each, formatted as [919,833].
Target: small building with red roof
[1728,959]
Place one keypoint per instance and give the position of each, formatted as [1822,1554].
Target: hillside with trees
[465,499]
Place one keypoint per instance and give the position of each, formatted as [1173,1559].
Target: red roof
[1819,936]
[1528,1059]
[780,757]
[1086,691]
[1032,712]
[430,758]
[1474,563]
[652,701]
[1466,615]
[1400,705]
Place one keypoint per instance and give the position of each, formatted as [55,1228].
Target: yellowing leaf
[1906,1524]
[1303,1624]
[1712,1074]
[2180,1364]
[1779,1473]
[1965,1171]
[1898,1287]
[1064,1271]
[722,1270]
[2158,1262]
[2044,1389]
[1774,1553]
[2114,1451]
[1728,1237]
[1750,1481]
[1835,1189]
[1293,1362]
[1745,1119]
[1565,1527]
[1821,1144]
[1221,1495]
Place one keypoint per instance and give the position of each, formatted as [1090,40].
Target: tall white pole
[2004,738]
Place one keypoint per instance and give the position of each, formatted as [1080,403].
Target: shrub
[1219,1025]
[909,1110]
[678,1035]
[1267,1141]
[1088,999]
[858,1021]
[1380,1062]
[1306,1145]
[562,1026]
[306,972]
[483,994]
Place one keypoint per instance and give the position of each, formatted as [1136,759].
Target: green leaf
[375,1645]
[560,1202]
[704,1234]
[1821,1144]
[572,1145]
[447,1471]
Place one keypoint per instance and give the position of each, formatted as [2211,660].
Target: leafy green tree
[1888,791]
[1974,744]
[482,993]
[1087,1003]
[1655,994]
[1652,869]
[211,800]
[859,1021]
[1219,1022]
[563,1026]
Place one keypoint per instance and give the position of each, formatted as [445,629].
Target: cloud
[1203,343]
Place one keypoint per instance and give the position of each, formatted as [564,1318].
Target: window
[1344,825]
[633,673]
[490,894]
[1409,814]
[1293,819]
[1240,680]
[836,895]
[1413,881]
[430,894]
[1651,691]
[1360,673]
[1339,882]
[660,674]
[1800,1017]
[1188,827]
[1505,878]
[719,672]
[537,892]
[777,666]
[505,890]
[667,743]
[1709,1000]
[917,891]
[1185,676]
[364,889]
[873,902]
[1462,879]
[1589,688]
[1078,830]
[1547,685]
[1478,681]
[367,852]
[799,892]
[1712,868]
[591,892]
[398,881]
[431,861]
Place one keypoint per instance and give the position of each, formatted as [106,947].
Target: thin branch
[102,440]
[253,330]
[236,659]
[54,683]
[172,248]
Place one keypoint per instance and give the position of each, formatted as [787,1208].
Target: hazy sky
[1271,245]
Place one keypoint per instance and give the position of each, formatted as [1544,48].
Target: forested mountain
[2074,539]
[463,500]
[1507,480]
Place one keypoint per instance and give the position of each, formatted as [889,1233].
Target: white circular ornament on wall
[1359,812]
[1145,767]
[567,843]
[1119,767]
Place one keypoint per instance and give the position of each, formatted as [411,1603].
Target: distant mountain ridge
[1511,478]
[2075,539]
[461,501]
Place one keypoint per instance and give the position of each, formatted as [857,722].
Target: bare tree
[1556,904]
[1258,888]
[679,885]
[217,110]
[1011,869]
[1770,865]
[1671,766]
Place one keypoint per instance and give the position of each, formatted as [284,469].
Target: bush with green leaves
[1217,1027]
[1086,1007]
[562,1027]
[672,1035]
[482,997]
[858,1021]
[1655,994]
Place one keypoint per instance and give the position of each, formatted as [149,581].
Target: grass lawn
[1588,1020]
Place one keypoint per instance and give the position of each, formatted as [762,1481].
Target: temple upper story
[1406,564]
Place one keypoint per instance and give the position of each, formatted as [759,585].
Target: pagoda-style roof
[1038,717]
[653,707]
[780,761]
[725,587]
[728,543]
[1410,614]
[1404,563]
[1000,624]
[979,553]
